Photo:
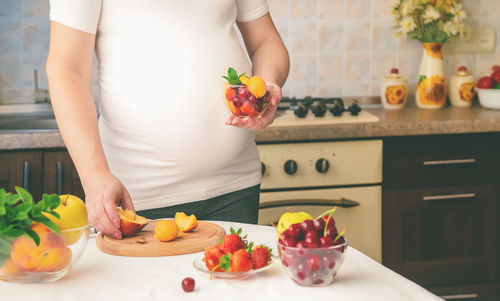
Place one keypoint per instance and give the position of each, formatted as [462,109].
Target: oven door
[359,210]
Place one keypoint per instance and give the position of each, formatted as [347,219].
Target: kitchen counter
[100,276]
[409,121]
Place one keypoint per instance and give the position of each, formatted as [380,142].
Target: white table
[98,276]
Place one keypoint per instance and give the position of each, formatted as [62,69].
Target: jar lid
[462,71]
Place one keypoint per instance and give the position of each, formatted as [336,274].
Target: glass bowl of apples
[312,252]
[245,96]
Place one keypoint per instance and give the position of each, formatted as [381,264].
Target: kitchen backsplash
[337,47]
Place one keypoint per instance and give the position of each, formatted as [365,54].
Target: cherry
[290,241]
[326,241]
[331,231]
[252,99]
[307,225]
[243,92]
[295,231]
[188,284]
[311,239]
[318,281]
[301,245]
[237,101]
[328,261]
[319,225]
[313,262]
[328,219]
[288,259]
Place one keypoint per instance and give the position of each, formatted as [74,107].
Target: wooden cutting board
[204,235]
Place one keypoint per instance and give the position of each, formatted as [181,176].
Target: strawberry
[212,255]
[240,261]
[249,109]
[230,93]
[233,242]
[260,257]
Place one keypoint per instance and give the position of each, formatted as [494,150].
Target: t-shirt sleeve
[78,14]
[248,10]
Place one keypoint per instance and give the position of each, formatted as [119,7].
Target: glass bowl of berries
[245,96]
[312,251]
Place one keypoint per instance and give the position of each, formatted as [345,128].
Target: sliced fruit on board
[184,222]
[130,222]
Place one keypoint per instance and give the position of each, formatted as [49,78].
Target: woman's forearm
[271,62]
[74,108]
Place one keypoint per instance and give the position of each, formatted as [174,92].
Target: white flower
[431,14]
[407,7]
[407,25]
[450,28]
[458,11]
[395,3]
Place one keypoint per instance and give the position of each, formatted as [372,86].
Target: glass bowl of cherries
[312,251]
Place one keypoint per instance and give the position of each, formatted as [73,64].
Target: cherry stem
[340,235]
[329,211]
[213,270]
[289,209]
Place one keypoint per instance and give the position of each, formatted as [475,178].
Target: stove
[319,111]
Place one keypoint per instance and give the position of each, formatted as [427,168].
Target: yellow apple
[290,218]
[73,215]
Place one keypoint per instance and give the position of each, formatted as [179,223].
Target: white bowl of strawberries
[312,251]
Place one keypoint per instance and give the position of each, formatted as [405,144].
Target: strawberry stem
[340,235]
[330,212]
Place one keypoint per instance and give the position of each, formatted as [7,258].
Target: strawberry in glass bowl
[245,96]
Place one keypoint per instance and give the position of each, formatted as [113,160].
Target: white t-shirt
[162,120]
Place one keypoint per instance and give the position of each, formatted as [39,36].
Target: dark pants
[238,206]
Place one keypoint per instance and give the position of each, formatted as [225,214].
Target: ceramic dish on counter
[489,98]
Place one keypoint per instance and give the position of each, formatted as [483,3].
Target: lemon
[290,218]
[244,79]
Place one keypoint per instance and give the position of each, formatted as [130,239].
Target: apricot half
[184,222]
[130,223]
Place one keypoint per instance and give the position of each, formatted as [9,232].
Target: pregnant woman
[163,141]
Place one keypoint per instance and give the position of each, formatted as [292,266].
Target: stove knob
[322,165]
[318,109]
[354,109]
[290,167]
[337,109]
[262,168]
[301,110]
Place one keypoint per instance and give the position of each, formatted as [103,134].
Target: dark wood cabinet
[60,175]
[441,220]
[40,171]
[21,168]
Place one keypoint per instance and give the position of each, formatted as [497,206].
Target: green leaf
[421,78]
[13,233]
[3,194]
[24,195]
[53,201]
[24,207]
[232,73]
[20,216]
[54,214]
[26,223]
[37,209]
[51,225]
[33,235]
[11,199]
[225,262]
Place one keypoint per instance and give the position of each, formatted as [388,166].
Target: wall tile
[36,9]
[355,88]
[10,71]
[357,35]
[490,8]
[302,9]
[30,63]
[495,24]
[357,66]
[356,9]
[302,90]
[330,66]
[330,36]
[409,63]
[384,37]
[278,9]
[10,9]
[10,96]
[382,9]
[304,67]
[381,64]
[486,61]
[329,89]
[303,36]
[330,9]
[10,37]
[36,37]
[472,8]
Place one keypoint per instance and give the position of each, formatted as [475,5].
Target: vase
[431,87]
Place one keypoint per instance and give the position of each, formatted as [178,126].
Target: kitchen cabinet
[40,171]
[441,209]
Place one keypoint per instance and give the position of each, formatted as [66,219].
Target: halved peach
[184,222]
[130,223]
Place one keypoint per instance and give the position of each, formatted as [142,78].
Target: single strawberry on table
[261,256]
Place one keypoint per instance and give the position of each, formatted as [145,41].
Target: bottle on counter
[393,91]
[462,88]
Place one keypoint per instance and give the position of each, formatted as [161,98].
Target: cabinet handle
[449,196]
[343,202]
[58,178]
[450,162]
[26,175]
[460,296]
